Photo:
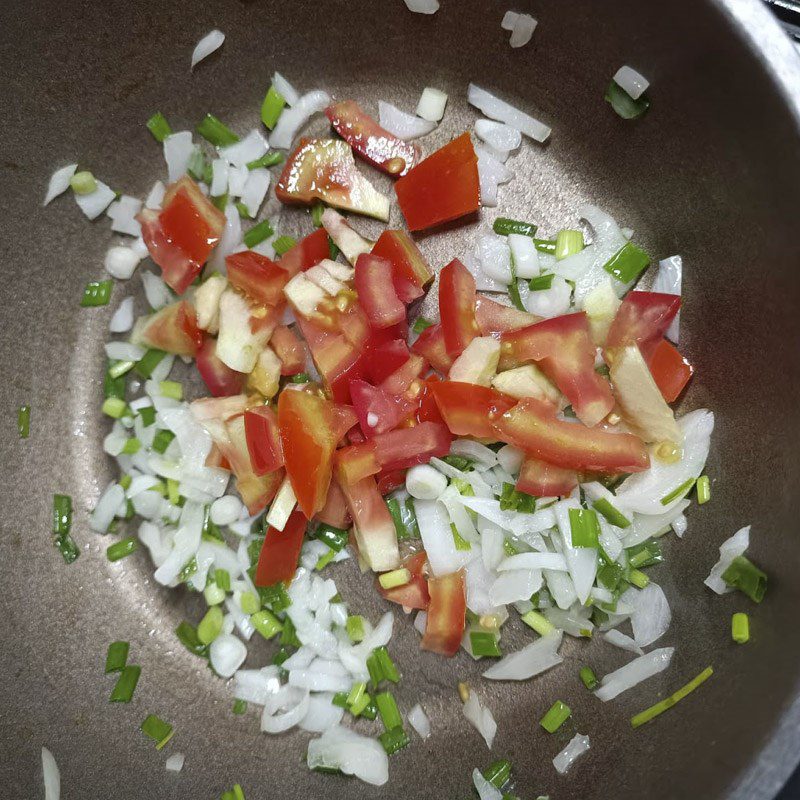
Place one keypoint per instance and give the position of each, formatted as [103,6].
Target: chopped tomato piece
[377,410]
[399,382]
[642,319]
[344,418]
[410,272]
[457,307]
[389,480]
[308,439]
[430,344]
[308,252]
[447,609]
[220,378]
[290,350]
[182,235]
[324,169]
[354,324]
[172,329]
[263,439]
[406,447]
[257,276]
[356,462]
[545,480]
[532,426]
[563,348]
[468,409]
[258,491]
[413,594]
[335,512]
[441,188]
[428,410]
[280,552]
[670,370]
[376,293]
[385,358]
[374,144]
[494,317]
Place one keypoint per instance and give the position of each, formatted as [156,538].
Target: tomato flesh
[256,276]
[385,358]
[406,447]
[494,317]
[281,549]
[356,462]
[377,410]
[373,281]
[447,609]
[220,379]
[172,329]
[413,594]
[468,409]
[545,480]
[335,512]
[431,345]
[390,480]
[263,439]
[410,272]
[642,319]
[307,253]
[670,370]
[457,307]
[290,350]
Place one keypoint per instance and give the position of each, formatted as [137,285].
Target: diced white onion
[178,150]
[480,453]
[123,351]
[534,561]
[156,196]
[494,255]
[241,153]
[292,119]
[651,613]
[424,482]
[350,752]
[633,673]
[486,791]
[422,6]
[120,262]
[285,89]
[255,190]
[524,26]
[175,762]
[631,82]
[402,125]
[533,659]
[525,255]
[237,178]
[621,640]
[509,18]
[322,713]
[106,508]
[51,776]
[419,721]
[230,242]
[728,550]
[206,46]
[481,718]
[227,654]
[123,213]
[510,459]
[668,281]
[491,173]
[296,704]
[498,109]
[431,104]
[95,203]
[552,302]
[282,506]
[59,182]
[434,528]
[219,177]
[578,745]
[122,320]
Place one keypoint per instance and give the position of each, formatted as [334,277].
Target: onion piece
[175,762]
[437,538]
[230,242]
[353,754]
[533,659]
[285,89]
[322,713]
[423,482]
[633,83]
[255,190]
[651,615]
[668,280]
[178,150]
[291,120]
[521,33]
[498,109]
[621,640]
[206,46]
[486,791]
[401,124]
[120,262]
[296,704]
[494,254]
[491,173]
[582,561]
[219,177]
[123,351]
[476,451]
[51,776]
[123,213]
[481,718]
[554,561]
[651,526]
[157,292]
[728,550]
[633,673]
[59,182]
[419,721]
[241,153]
[422,6]
[106,508]
[524,255]
[226,654]
[578,745]
[552,302]
[96,202]
[431,104]
[509,18]
[122,320]
[156,196]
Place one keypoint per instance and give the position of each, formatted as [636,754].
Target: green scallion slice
[498,773]
[355,628]
[538,622]
[258,233]
[126,684]
[421,324]
[484,644]
[239,706]
[584,527]
[267,160]
[659,708]
[335,538]
[590,680]
[220,202]
[244,211]
[283,244]
[387,709]
[24,421]
[745,576]
[83,182]
[158,126]
[67,547]
[625,106]
[460,542]
[541,283]
[161,441]
[120,368]
[612,515]
[266,623]
[148,362]
[317,210]
[131,446]
[62,514]
[187,635]
[568,243]
[122,549]
[394,740]
[703,489]
[117,656]
[505,226]
[557,715]
[513,289]
[740,628]
[211,625]
[97,293]
[158,730]
[171,389]
[198,168]
[216,132]
[272,106]
[627,263]
[545,246]
[677,492]
[645,554]
[638,578]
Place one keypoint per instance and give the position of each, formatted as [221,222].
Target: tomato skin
[400,381]
[457,297]
[410,272]
[256,276]
[344,418]
[257,491]
[308,440]
[531,425]
[221,380]
[387,410]
[335,512]
[389,480]
[447,611]
[443,187]
[290,349]
[495,318]
[263,439]
[545,480]
[373,281]
[670,370]
[172,329]
[182,235]
[281,551]
[468,409]
[356,462]
[307,253]
[406,447]
[431,346]
[385,358]
[428,410]
[374,144]
[413,594]
[563,348]
[642,319]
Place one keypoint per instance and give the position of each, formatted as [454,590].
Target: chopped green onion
[665,705]
[703,489]
[335,538]
[324,560]
[283,244]
[173,495]
[211,625]
[557,715]
[187,635]
[545,246]
[277,599]
[537,621]
[645,554]
[67,547]
[740,628]
[272,106]
[131,446]
[120,368]
[267,160]
[300,377]
[250,603]
[590,680]
[512,499]
[213,594]
[188,570]
[122,549]
[24,421]
[216,132]
[364,706]
[83,182]
[460,542]
[393,740]
[161,441]
[508,548]
[333,251]
[387,708]
[609,575]
[387,665]
[626,264]
[97,293]
[158,730]
[498,773]
[584,527]
[125,482]
[171,389]
[126,684]
[421,324]
[339,700]
[355,628]
[404,518]
[513,289]
[114,407]
[239,706]
[197,166]
[568,243]
[258,233]
[680,491]
[117,656]
[220,202]
[244,211]
[504,226]
[745,576]
[625,106]
[541,282]
[411,518]
[158,126]
[612,514]
[266,623]
[356,693]
[62,514]
[395,578]
[223,579]
[484,643]
[238,793]
[148,362]
[638,579]
[317,210]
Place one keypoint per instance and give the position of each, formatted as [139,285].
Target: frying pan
[711,172]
